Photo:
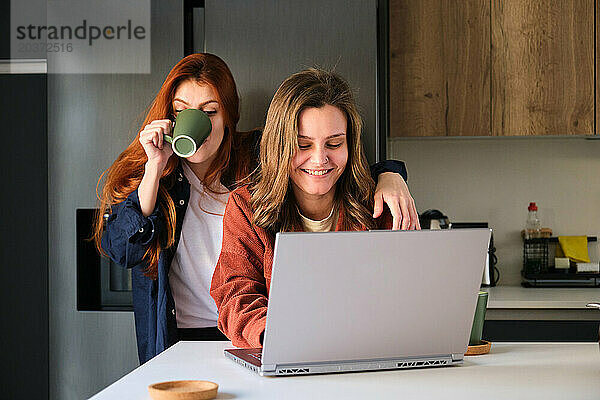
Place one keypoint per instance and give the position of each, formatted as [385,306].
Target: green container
[478,319]
[192,127]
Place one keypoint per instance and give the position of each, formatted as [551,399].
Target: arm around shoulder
[389,166]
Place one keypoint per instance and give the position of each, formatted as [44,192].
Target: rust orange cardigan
[242,278]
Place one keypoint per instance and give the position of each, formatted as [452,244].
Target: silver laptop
[358,301]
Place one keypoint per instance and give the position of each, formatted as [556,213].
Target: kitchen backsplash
[494,179]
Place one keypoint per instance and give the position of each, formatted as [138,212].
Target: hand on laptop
[392,190]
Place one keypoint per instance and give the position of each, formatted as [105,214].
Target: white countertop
[545,298]
[511,371]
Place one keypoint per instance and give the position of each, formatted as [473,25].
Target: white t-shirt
[197,255]
[324,225]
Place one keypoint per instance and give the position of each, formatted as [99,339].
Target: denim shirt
[128,235]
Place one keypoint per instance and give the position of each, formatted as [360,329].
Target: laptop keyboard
[256,356]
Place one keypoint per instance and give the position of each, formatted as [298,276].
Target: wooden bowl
[183,390]
[479,349]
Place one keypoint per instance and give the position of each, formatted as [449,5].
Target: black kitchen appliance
[433,219]
[102,285]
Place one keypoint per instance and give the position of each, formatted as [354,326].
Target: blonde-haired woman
[313,177]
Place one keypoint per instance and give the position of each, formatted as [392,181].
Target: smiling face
[191,94]
[322,154]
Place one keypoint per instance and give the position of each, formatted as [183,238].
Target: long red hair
[125,174]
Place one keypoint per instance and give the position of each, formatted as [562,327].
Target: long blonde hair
[272,197]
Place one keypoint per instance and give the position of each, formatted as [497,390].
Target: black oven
[102,285]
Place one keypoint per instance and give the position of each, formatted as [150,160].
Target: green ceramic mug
[478,319]
[192,127]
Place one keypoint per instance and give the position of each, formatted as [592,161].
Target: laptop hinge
[268,367]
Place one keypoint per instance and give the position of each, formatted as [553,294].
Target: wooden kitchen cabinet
[597,81]
[491,67]
[439,67]
[542,67]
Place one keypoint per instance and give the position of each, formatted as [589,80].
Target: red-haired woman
[165,214]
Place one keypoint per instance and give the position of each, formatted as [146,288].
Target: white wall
[494,179]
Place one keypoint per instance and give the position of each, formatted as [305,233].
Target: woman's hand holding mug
[152,140]
[192,127]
